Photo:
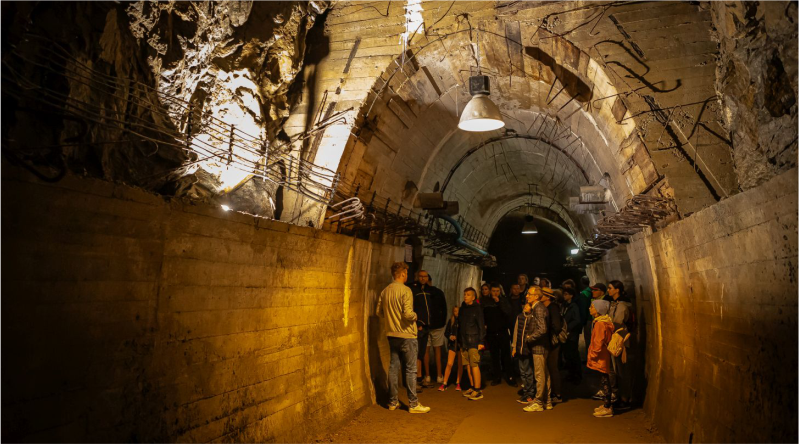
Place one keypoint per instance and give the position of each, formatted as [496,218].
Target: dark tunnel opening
[542,254]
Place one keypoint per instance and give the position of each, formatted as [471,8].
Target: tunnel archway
[542,254]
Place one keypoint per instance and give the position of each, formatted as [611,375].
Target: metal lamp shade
[529,227]
[481,114]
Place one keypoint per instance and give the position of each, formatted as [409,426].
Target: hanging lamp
[480,114]
[529,221]
[529,226]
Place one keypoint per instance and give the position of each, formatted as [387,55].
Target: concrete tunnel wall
[128,318]
[716,298]
[137,319]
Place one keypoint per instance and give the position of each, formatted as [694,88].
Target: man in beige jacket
[396,305]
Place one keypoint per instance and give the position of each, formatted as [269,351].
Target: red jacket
[598,354]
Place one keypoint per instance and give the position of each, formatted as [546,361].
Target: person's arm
[407,306]
[515,332]
[481,328]
[379,311]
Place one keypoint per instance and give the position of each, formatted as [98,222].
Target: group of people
[530,334]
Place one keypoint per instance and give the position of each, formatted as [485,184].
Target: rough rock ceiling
[628,88]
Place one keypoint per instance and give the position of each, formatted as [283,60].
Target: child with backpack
[598,354]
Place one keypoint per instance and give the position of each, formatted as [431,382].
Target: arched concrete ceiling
[561,103]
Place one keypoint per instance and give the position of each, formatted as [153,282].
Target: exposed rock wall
[756,78]
[129,319]
[233,62]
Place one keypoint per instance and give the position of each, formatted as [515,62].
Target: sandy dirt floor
[496,418]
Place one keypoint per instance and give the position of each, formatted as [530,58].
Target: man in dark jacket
[539,342]
[430,306]
[521,351]
[471,337]
[574,326]
[498,314]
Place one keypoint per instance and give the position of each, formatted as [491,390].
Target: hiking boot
[419,408]
[440,379]
[533,407]
[477,394]
[468,393]
[393,406]
[442,388]
[525,400]
[556,399]
[458,387]
[604,412]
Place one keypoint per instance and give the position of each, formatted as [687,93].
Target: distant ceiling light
[225,207]
[575,251]
[529,227]
[480,114]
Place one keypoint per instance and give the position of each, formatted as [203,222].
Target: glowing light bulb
[575,251]
[225,207]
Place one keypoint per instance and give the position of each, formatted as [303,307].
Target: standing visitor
[583,302]
[471,337]
[621,313]
[555,327]
[598,291]
[453,352]
[430,306]
[517,300]
[485,293]
[538,339]
[598,354]
[568,283]
[545,283]
[574,326]
[497,313]
[521,351]
[524,284]
[396,305]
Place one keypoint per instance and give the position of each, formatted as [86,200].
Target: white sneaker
[440,379]
[426,380]
[419,408]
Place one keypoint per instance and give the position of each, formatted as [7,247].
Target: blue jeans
[405,349]
[527,376]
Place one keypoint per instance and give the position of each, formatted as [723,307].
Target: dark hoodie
[430,305]
[471,331]
[497,315]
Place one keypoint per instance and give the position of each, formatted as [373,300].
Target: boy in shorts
[472,340]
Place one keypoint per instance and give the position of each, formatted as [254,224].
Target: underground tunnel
[219,218]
